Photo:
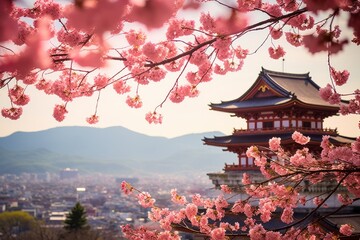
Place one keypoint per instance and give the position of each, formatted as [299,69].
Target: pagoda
[276,105]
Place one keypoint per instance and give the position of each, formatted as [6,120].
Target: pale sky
[192,115]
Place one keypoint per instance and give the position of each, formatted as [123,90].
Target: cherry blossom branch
[175,83]
[316,208]
[10,50]
[209,42]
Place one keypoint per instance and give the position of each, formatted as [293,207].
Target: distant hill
[108,150]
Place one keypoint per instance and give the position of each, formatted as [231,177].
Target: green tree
[76,219]
[14,223]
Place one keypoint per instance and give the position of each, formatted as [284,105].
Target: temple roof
[326,221]
[277,89]
[263,139]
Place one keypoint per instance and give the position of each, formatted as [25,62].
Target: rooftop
[277,89]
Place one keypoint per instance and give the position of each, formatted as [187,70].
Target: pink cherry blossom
[355,146]
[340,77]
[197,200]
[226,189]
[221,70]
[120,87]
[344,199]
[126,187]
[299,138]
[177,96]
[155,53]
[145,199]
[198,58]
[93,119]
[257,232]
[16,92]
[266,207]
[70,37]
[287,215]
[235,23]
[30,79]
[191,210]
[204,225]
[248,210]
[59,112]
[220,203]
[275,33]
[89,58]
[328,94]
[211,214]
[10,29]
[271,9]
[252,151]
[241,53]
[246,179]
[293,39]
[140,74]
[176,198]
[302,22]
[153,117]
[12,113]
[217,234]
[248,5]
[134,102]
[33,56]
[273,235]
[274,143]
[22,100]
[346,229]
[135,38]
[288,5]
[276,53]
[153,13]
[323,42]
[208,22]
[44,85]
[175,66]
[324,5]
[24,30]
[156,74]
[317,201]
[100,81]
[96,18]
[179,27]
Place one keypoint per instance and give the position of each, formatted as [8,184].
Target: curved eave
[283,103]
[262,140]
[234,107]
[317,106]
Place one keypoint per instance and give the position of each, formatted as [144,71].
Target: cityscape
[77,165]
[49,197]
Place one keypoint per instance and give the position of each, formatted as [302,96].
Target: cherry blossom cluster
[281,189]
[66,49]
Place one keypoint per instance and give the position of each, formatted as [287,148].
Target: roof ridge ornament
[263,88]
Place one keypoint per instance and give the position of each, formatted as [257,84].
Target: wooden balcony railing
[323,131]
[236,167]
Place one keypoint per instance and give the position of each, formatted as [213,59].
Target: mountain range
[114,150]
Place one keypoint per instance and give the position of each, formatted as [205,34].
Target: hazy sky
[192,115]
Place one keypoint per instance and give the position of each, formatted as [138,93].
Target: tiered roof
[251,139]
[278,90]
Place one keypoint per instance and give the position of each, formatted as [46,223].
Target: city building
[68,173]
